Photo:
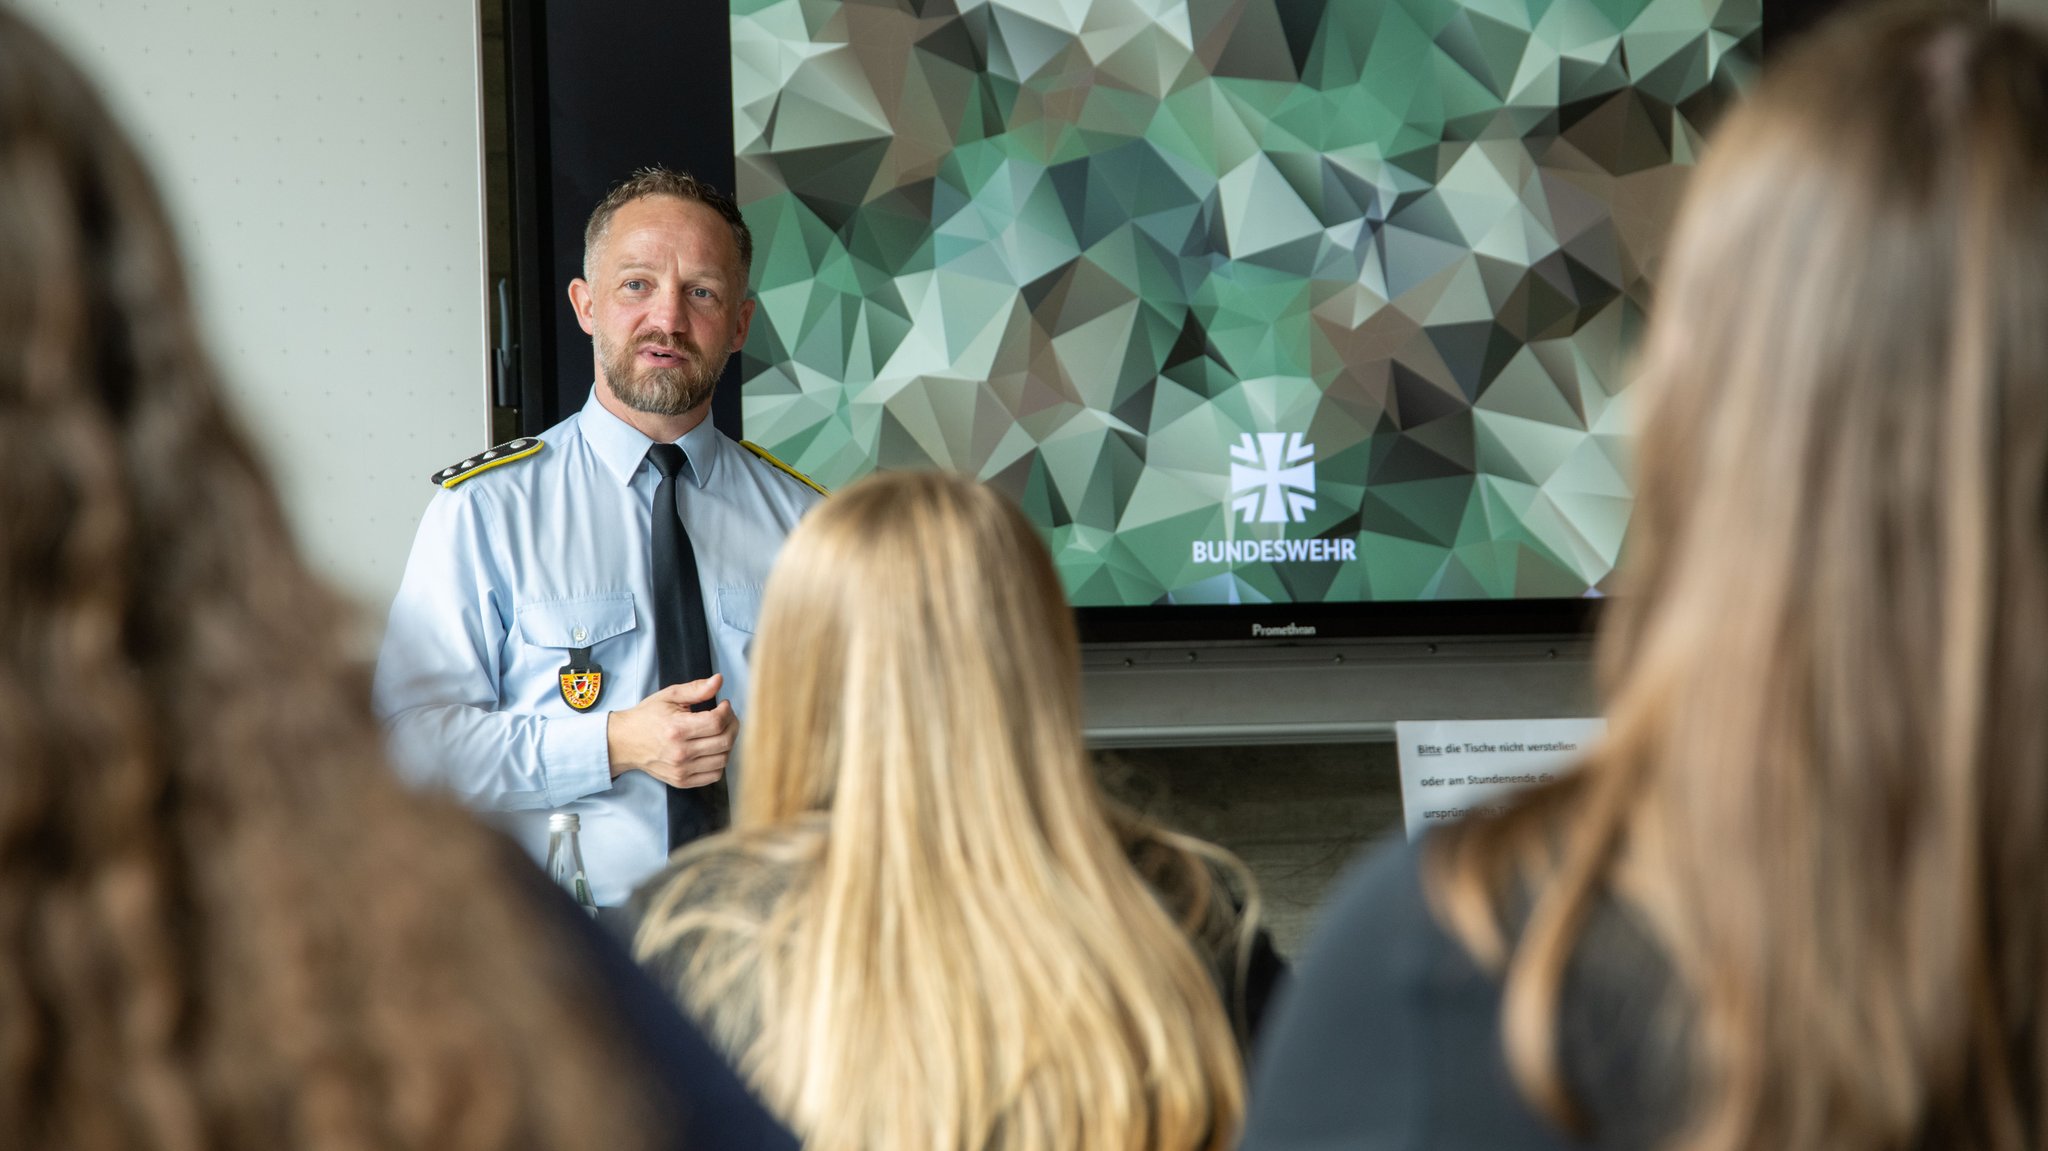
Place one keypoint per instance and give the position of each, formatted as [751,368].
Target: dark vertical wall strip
[526,81]
[607,88]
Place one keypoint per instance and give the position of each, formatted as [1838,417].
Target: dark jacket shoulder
[1390,1034]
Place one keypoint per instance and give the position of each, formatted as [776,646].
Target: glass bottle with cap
[565,860]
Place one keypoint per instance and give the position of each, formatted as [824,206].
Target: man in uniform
[548,648]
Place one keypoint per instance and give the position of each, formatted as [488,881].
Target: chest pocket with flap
[739,605]
[584,621]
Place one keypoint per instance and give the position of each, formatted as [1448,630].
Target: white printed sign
[1454,767]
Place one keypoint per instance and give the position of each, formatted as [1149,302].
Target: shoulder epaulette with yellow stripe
[484,461]
[768,458]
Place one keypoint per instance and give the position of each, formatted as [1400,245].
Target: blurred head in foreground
[222,925]
[926,929]
[1826,778]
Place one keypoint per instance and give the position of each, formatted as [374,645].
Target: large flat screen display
[1302,306]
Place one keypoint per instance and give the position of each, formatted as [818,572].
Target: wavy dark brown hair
[222,924]
[1826,779]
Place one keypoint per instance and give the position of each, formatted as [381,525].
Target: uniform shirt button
[580,634]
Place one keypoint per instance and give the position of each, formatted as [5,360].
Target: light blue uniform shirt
[517,566]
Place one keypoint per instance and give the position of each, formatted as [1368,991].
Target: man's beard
[658,391]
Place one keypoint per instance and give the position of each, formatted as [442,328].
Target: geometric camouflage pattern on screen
[1082,250]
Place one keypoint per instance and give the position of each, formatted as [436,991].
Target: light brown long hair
[1826,778]
[222,924]
[965,957]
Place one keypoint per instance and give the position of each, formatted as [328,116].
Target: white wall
[323,165]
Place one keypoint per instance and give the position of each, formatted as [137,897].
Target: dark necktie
[682,640]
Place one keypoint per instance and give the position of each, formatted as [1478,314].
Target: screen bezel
[575,127]
[1235,623]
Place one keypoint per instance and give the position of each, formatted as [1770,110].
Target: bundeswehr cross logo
[1280,470]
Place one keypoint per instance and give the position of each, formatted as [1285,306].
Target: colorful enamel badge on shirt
[582,680]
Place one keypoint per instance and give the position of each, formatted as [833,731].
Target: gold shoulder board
[485,460]
[769,458]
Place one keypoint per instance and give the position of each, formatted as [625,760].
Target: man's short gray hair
[666,182]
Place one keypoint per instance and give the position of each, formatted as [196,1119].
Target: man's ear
[739,333]
[580,299]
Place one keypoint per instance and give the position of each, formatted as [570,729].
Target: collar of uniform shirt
[622,447]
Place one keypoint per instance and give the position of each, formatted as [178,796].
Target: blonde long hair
[1826,781]
[966,958]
